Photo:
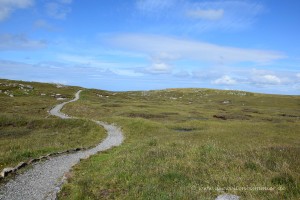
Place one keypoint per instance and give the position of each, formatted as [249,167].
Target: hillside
[179,143]
[28,131]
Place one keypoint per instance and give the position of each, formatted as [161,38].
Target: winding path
[44,180]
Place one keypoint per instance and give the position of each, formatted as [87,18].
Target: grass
[28,131]
[176,149]
[179,143]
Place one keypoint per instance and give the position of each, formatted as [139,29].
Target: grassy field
[191,144]
[180,143]
[28,131]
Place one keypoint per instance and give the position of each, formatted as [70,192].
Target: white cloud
[209,14]
[8,6]
[58,10]
[43,24]
[195,50]
[182,74]
[84,60]
[268,79]
[298,75]
[159,68]
[153,5]
[65,1]
[263,77]
[189,15]
[126,72]
[226,15]
[19,42]
[225,80]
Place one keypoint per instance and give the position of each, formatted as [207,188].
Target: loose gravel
[44,179]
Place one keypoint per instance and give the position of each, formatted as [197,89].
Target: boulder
[227,197]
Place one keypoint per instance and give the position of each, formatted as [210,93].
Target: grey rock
[227,197]
[7,171]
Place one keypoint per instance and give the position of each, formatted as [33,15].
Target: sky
[120,45]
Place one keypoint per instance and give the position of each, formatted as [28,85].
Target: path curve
[44,180]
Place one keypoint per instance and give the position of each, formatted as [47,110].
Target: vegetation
[28,131]
[179,143]
[191,144]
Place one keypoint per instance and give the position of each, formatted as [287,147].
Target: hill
[179,143]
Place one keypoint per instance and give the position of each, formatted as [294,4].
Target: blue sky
[153,44]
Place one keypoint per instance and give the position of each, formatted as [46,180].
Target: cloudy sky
[251,45]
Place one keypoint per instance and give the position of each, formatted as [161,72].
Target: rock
[227,197]
[29,87]
[60,99]
[7,171]
[226,102]
[43,94]
[21,165]
[11,95]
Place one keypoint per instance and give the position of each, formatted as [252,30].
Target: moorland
[188,143]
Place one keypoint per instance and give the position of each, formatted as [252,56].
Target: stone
[29,87]
[7,171]
[227,197]
[21,165]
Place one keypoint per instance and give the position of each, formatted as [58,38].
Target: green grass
[175,146]
[28,131]
[176,149]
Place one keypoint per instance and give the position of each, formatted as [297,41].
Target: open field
[28,131]
[191,144]
[179,143]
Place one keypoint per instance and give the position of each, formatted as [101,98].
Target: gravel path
[56,110]
[44,180]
